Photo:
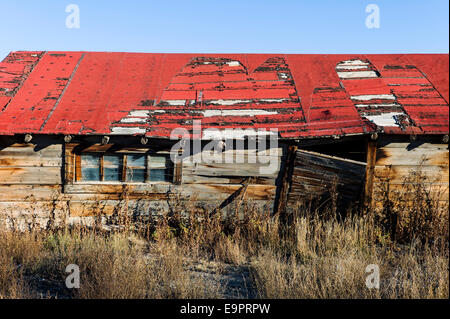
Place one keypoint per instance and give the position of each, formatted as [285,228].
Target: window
[90,167]
[132,168]
[112,168]
[136,168]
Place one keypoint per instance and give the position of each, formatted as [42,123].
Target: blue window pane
[157,162]
[112,174]
[112,168]
[90,174]
[136,160]
[112,160]
[135,175]
[157,175]
[90,160]
[90,167]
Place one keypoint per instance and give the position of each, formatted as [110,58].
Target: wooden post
[78,167]
[177,170]
[370,168]
[124,168]
[102,170]
[287,175]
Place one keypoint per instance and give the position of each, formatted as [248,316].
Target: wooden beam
[102,170]
[77,167]
[370,168]
[177,172]
[287,175]
[124,168]
[239,193]
[69,163]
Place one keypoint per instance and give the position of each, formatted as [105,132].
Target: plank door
[314,174]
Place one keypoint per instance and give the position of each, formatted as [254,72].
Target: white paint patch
[210,113]
[353,62]
[233,63]
[373,97]
[228,102]
[350,67]
[385,119]
[378,105]
[175,102]
[157,112]
[215,134]
[142,113]
[127,130]
[233,102]
[133,120]
[357,74]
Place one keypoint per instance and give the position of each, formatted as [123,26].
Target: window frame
[74,167]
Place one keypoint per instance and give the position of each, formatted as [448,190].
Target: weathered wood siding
[30,171]
[315,174]
[38,180]
[30,179]
[397,157]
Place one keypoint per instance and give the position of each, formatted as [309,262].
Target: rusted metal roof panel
[301,96]
[14,70]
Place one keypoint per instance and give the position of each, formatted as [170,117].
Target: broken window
[133,168]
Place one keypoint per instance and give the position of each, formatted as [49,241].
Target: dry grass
[317,255]
[330,259]
[117,265]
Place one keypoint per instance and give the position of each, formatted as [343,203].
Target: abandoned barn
[81,131]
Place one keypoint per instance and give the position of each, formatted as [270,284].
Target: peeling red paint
[300,95]
[14,70]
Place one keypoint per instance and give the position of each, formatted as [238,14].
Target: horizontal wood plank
[398,173]
[417,156]
[30,175]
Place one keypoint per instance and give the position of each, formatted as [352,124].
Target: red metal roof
[299,95]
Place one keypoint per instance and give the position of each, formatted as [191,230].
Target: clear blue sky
[243,26]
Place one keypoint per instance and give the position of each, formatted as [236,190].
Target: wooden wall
[30,178]
[37,180]
[396,157]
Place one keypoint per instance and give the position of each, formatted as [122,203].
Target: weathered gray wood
[398,158]
[397,173]
[22,192]
[30,175]
[416,156]
[315,174]
[196,191]
[201,179]
[224,169]
[31,148]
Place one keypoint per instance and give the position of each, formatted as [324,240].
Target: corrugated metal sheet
[300,95]
[14,70]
